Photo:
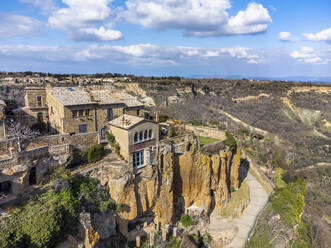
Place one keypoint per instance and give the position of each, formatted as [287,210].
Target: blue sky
[167,37]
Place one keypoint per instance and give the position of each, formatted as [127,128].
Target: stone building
[136,137]
[36,104]
[78,110]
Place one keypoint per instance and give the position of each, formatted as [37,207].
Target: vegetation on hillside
[47,218]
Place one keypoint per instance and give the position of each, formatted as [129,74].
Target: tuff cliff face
[178,182]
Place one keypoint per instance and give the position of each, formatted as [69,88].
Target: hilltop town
[161,162]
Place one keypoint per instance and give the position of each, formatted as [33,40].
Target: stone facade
[77,110]
[142,135]
[36,104]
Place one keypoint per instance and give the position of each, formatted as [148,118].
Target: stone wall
[79,141]
[206,131]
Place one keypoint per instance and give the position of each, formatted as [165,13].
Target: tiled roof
[126,121]
[80,96]
[71,96]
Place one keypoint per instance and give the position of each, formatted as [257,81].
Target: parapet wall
[78,141]
[206,131]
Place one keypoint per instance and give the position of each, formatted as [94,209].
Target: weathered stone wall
[206,131]
[17,169]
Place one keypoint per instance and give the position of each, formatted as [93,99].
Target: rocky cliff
[165,191]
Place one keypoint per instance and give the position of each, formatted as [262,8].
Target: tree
[20,133]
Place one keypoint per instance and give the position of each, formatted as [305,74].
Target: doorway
[32,176]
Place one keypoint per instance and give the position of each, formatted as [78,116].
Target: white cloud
[83,20]
[308,55]
[46,6]
[139,53]
[285,36]
[242,53]
[196,17]
[17,25]
[324,35]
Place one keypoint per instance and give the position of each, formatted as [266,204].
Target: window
[137,112]
[87,112]
[39,101]
[109,114]
[135,137]
[81,112]
[141,136]
[150,134]
[138,159]
[145,135]
[40,117]
[74,113]
[82,128]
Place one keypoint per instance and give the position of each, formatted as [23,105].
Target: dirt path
[244,224]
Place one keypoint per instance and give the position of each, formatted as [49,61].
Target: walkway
[244,224]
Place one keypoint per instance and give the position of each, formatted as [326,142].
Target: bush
[196,123]
[94,153]
[163,118]
[117,148]
[230,142]
[41,223]
[171,131]
[186,220]
[92,197]
[112,141]
[289,200]
[110,138]
[119,207]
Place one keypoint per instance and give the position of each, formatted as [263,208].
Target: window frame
[39,102]
[138,159]
[80,125]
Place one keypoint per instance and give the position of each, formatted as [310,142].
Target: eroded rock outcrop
[178,181]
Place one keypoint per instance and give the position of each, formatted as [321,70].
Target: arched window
[141,136]
[150,133]
[145,134]
[135,137]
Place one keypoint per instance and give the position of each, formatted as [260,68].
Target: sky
[266,38]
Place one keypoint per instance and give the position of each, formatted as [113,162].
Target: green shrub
[119,207]
[186,220]
[171,131]
[214,122]
[230,142]
[163,118]
[112,141]
[197,123]
[61,173]
[288,199]
[94,153]
[110,138]
[86,189]
[260,240]
[41,223]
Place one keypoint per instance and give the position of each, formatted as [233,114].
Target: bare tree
[19,133]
